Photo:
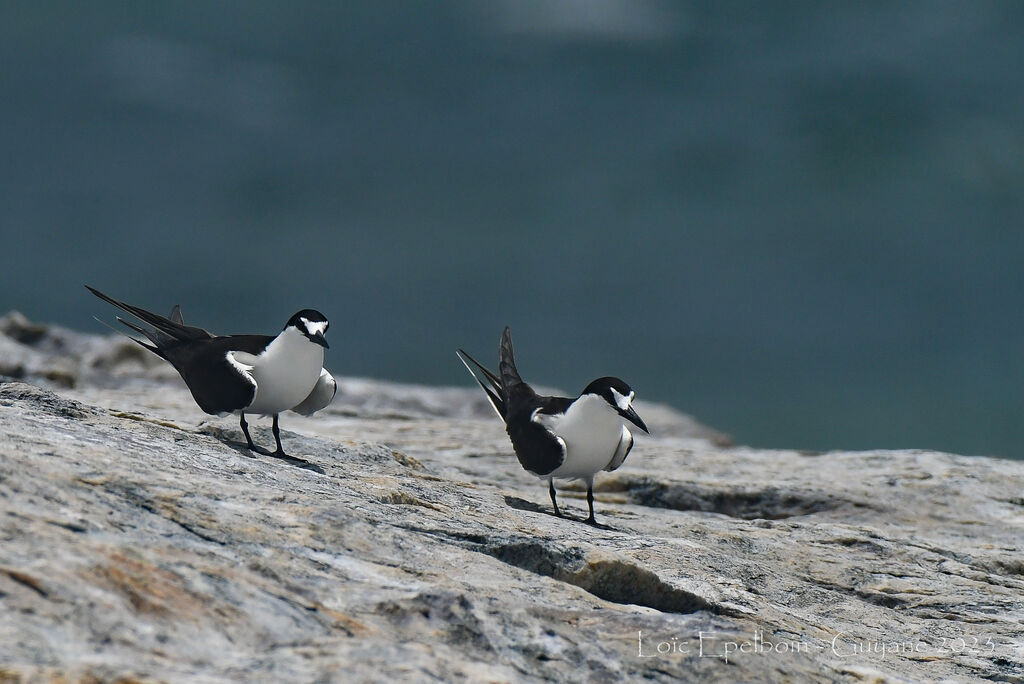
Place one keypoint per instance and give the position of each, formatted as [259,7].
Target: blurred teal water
[799,222]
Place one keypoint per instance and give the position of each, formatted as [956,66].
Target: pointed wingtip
[506,342]
[122,333]
[102,296]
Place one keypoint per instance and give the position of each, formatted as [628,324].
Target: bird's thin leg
[551,491]
[590,503]
[245,431]
[277,438]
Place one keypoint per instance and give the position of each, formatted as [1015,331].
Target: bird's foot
[295,461]
[290,459]
[593,523]
[286,457]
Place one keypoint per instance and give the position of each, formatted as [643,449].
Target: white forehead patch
[314,328]
[621,400]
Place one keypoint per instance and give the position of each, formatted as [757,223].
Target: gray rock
[138,539]
[64,358]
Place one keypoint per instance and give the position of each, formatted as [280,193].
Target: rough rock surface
[139,540]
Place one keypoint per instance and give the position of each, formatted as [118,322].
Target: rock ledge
[141,541]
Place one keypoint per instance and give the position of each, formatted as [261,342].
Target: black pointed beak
[631,415]
[319,339]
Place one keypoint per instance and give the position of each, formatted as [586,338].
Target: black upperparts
[310,315]
[604,386]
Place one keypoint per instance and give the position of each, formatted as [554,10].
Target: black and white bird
[240,374]
[560,437]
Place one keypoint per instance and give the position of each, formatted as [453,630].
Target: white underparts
[284,374]
[591,432]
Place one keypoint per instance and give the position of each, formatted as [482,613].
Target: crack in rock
[606,577]
[878,598]
[769,503]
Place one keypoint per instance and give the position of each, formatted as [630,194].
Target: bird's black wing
[554,406]
[622,450]
[164,333]
[507,362]
[176,317]
[250,344]
[538,449]
[217,385]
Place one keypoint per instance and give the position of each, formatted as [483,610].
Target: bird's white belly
[285,374]
[591,430]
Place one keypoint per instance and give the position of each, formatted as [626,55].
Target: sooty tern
[256,374]
[560,437]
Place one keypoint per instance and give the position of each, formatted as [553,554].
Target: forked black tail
[495,392]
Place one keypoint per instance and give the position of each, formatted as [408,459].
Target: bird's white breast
[284,373]
[591,430]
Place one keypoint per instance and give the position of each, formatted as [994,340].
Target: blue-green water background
[800,222]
